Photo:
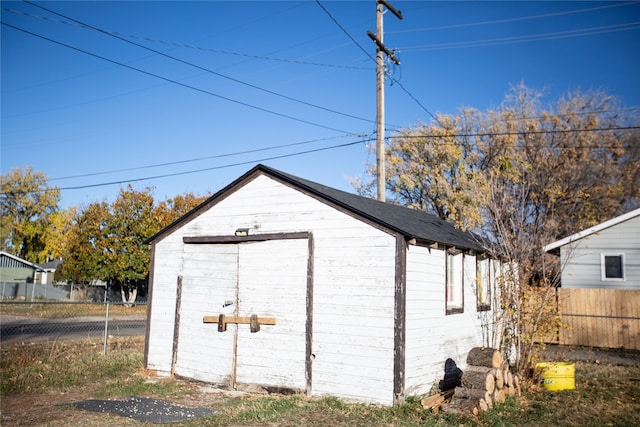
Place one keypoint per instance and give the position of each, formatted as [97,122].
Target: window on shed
[484,282]
[455,282]
[612,267]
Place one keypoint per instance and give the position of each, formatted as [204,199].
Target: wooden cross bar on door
[252,320]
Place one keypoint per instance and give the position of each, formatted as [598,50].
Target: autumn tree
[106,240]
[521,176]
[130,223]
[171,209]
[109,243]
[27,204]
[566,167]
[57,235]
[431,168]
[84,254]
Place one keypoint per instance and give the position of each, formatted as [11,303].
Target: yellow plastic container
[557,375]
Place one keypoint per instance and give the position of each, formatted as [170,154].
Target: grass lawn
[37,380]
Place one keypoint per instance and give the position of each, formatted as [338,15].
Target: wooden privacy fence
[600,317]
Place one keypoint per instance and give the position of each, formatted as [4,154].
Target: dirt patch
[56,409]
[567,353]
[37,409]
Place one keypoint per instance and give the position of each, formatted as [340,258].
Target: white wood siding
[432,336]
[425,308]
[581,260]
[354,276]
[353,316]
[272,282]
[203,353]
[167,267]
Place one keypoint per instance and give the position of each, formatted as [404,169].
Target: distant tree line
[102,241]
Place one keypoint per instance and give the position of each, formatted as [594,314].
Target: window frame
[603,267]
[456,305]
[484,282]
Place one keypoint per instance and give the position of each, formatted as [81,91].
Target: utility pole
[381,50]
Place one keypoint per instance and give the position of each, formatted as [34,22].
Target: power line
[197,159]
[577,113]
[345,31]
[338,146]
[244,55]
[415,99]
[175,81]
[358,142]
[530,38]
[365,140]
[523,133]
[157,52]
[522,18]
[372,58]
[176,44]
[126,181]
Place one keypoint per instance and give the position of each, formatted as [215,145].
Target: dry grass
[39,379]
[49,310]
[28,368]
[605,395]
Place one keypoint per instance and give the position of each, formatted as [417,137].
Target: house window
[454,274]
[483,283]
[612,267]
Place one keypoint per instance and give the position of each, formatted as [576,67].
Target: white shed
[605,256]
[289,284]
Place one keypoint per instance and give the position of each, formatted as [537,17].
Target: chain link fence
[45,321]
[101,293]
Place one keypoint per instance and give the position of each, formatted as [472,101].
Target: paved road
[39,330]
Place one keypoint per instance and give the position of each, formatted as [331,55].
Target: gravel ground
[144,409]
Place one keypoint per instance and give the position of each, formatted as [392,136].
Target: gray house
[14,269]
[604,256]
[285,283]
[46,272]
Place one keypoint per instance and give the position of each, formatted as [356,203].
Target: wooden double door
[240,279]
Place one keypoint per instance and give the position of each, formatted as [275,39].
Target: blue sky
[222,85]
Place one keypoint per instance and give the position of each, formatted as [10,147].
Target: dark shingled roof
[51,265]
[408,222]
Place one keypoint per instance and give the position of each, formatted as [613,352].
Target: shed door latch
[253,321]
